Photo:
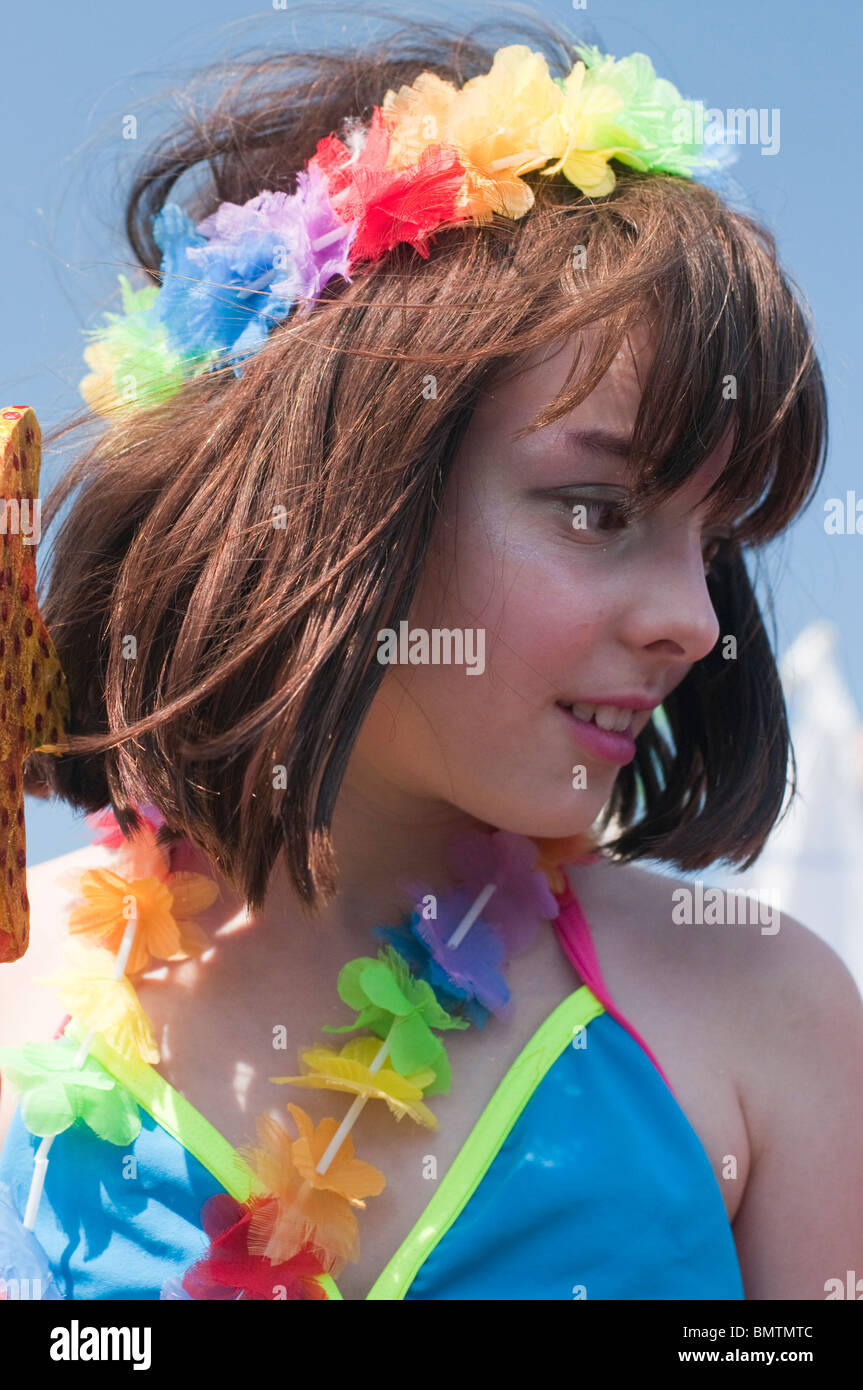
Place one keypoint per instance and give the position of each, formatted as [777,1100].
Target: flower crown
[432,155]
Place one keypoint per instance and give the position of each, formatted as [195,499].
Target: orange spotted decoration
[34,700]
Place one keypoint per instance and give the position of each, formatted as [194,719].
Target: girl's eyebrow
[599,442]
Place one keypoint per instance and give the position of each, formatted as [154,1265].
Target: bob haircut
[256,645]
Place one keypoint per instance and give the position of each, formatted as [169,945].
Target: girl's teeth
[609,717]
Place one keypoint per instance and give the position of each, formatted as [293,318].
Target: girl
[431,469]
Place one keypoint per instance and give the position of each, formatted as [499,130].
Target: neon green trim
[482,1145]
[473,1160]
[169,1109]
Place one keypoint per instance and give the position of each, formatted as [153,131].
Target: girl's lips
[611,747]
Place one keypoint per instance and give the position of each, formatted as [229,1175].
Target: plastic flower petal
[395,1006]
[200,318]
[416,956]
[25,1270]
[494,123]
[229,1271]
[389,205]
[582,135]
[500,115]
[417,117]
[92,995]
[165,930]
[312,1208]
[112,836]
[553,854]
[55,1092]
[318,241]
[267,251]
[656,127]
[348,1070]
[474,964]
[130,359]
[522,895]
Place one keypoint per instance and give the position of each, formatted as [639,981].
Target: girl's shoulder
[770,998]
[733,948]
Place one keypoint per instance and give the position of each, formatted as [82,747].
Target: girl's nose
[670,610]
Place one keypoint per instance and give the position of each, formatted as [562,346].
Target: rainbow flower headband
[432,155]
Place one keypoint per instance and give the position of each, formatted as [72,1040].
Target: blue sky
[66,171]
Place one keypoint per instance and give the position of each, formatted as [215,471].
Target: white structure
[814,858]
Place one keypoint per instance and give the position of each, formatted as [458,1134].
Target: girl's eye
[598,514]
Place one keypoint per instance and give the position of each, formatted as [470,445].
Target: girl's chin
[544,822]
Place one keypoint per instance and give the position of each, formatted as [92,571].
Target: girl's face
[556,599]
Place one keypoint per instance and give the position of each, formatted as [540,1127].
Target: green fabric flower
[395,1005]
[55,1093]
[654,115]
[133,346]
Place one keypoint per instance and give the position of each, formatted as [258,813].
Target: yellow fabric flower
[581,136]
[348,1070]
[165,908]
[97,387]
[311,1207]
[92,995]
[494,123]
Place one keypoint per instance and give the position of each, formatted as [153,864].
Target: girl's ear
[34,697]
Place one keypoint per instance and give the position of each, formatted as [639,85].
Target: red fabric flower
[228,1269]
[390,205]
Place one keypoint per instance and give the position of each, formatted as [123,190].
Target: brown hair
[256,646]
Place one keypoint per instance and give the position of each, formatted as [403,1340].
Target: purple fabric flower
[231,279]
[308,218]
[522,894]
[473,966]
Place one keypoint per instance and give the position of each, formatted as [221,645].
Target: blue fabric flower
[229,280]
[214,295]
[416,955]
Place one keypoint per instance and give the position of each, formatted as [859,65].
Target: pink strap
[573,933]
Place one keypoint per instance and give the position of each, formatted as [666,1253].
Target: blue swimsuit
[582,1179]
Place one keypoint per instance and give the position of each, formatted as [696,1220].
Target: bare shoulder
[745,938]
[765,986]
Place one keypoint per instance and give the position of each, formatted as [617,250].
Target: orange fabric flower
[165,908]
[553,853]
[312,1208]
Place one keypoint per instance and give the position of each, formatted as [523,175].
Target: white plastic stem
[328,238]
[40,1168]
[353,1114]
[40,1162]
[355,1111]
[470,916]
[257,285]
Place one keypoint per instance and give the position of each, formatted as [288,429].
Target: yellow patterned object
[34,699]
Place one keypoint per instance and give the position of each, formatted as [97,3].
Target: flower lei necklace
[432,155]
[440,969]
